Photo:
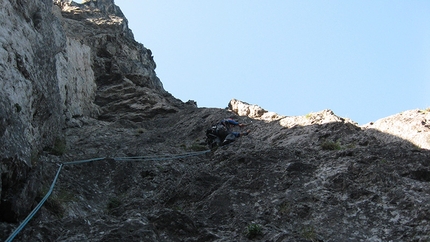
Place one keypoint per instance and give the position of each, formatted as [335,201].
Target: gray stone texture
[76,85]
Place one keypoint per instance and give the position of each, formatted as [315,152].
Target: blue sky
[364,60]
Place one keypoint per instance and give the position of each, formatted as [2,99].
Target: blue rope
[30,216]
[132,158]
[83,161]
[160,158]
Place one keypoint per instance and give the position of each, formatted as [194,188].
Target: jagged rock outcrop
[411,125]
[252,110]
[124,70]
[317,177]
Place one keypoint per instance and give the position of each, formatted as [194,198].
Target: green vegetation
[178,208]
[284,207]
[331,145]
[253,230]
[65,196]
[59,147]
[55,207]
[197,147]
[308,233]
[417,147]
[55,203]
[425,111]
[114,202]
[34,158]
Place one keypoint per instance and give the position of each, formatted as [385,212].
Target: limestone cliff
[124,70]
[60,60]
[75,85]
[31,106]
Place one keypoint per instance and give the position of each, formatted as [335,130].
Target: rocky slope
[317,177]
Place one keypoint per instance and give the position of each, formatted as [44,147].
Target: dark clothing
[221,133]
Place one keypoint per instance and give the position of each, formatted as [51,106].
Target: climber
[222,134]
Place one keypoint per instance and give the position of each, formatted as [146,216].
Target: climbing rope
[161,157]
[83,161]
[30,216]
[131,158]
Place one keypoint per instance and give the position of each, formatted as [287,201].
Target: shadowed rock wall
[59,61]
[31,106]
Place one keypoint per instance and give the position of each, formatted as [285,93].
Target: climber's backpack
[218,135]
[212,138]
[221,131]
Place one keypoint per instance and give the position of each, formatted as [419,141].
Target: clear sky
[364,60]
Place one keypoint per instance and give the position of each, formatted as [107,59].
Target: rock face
[59,62]
[31,113]
[76,86]
[127,86]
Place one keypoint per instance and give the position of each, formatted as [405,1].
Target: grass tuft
[331,145]
[253,230]
[59,147]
